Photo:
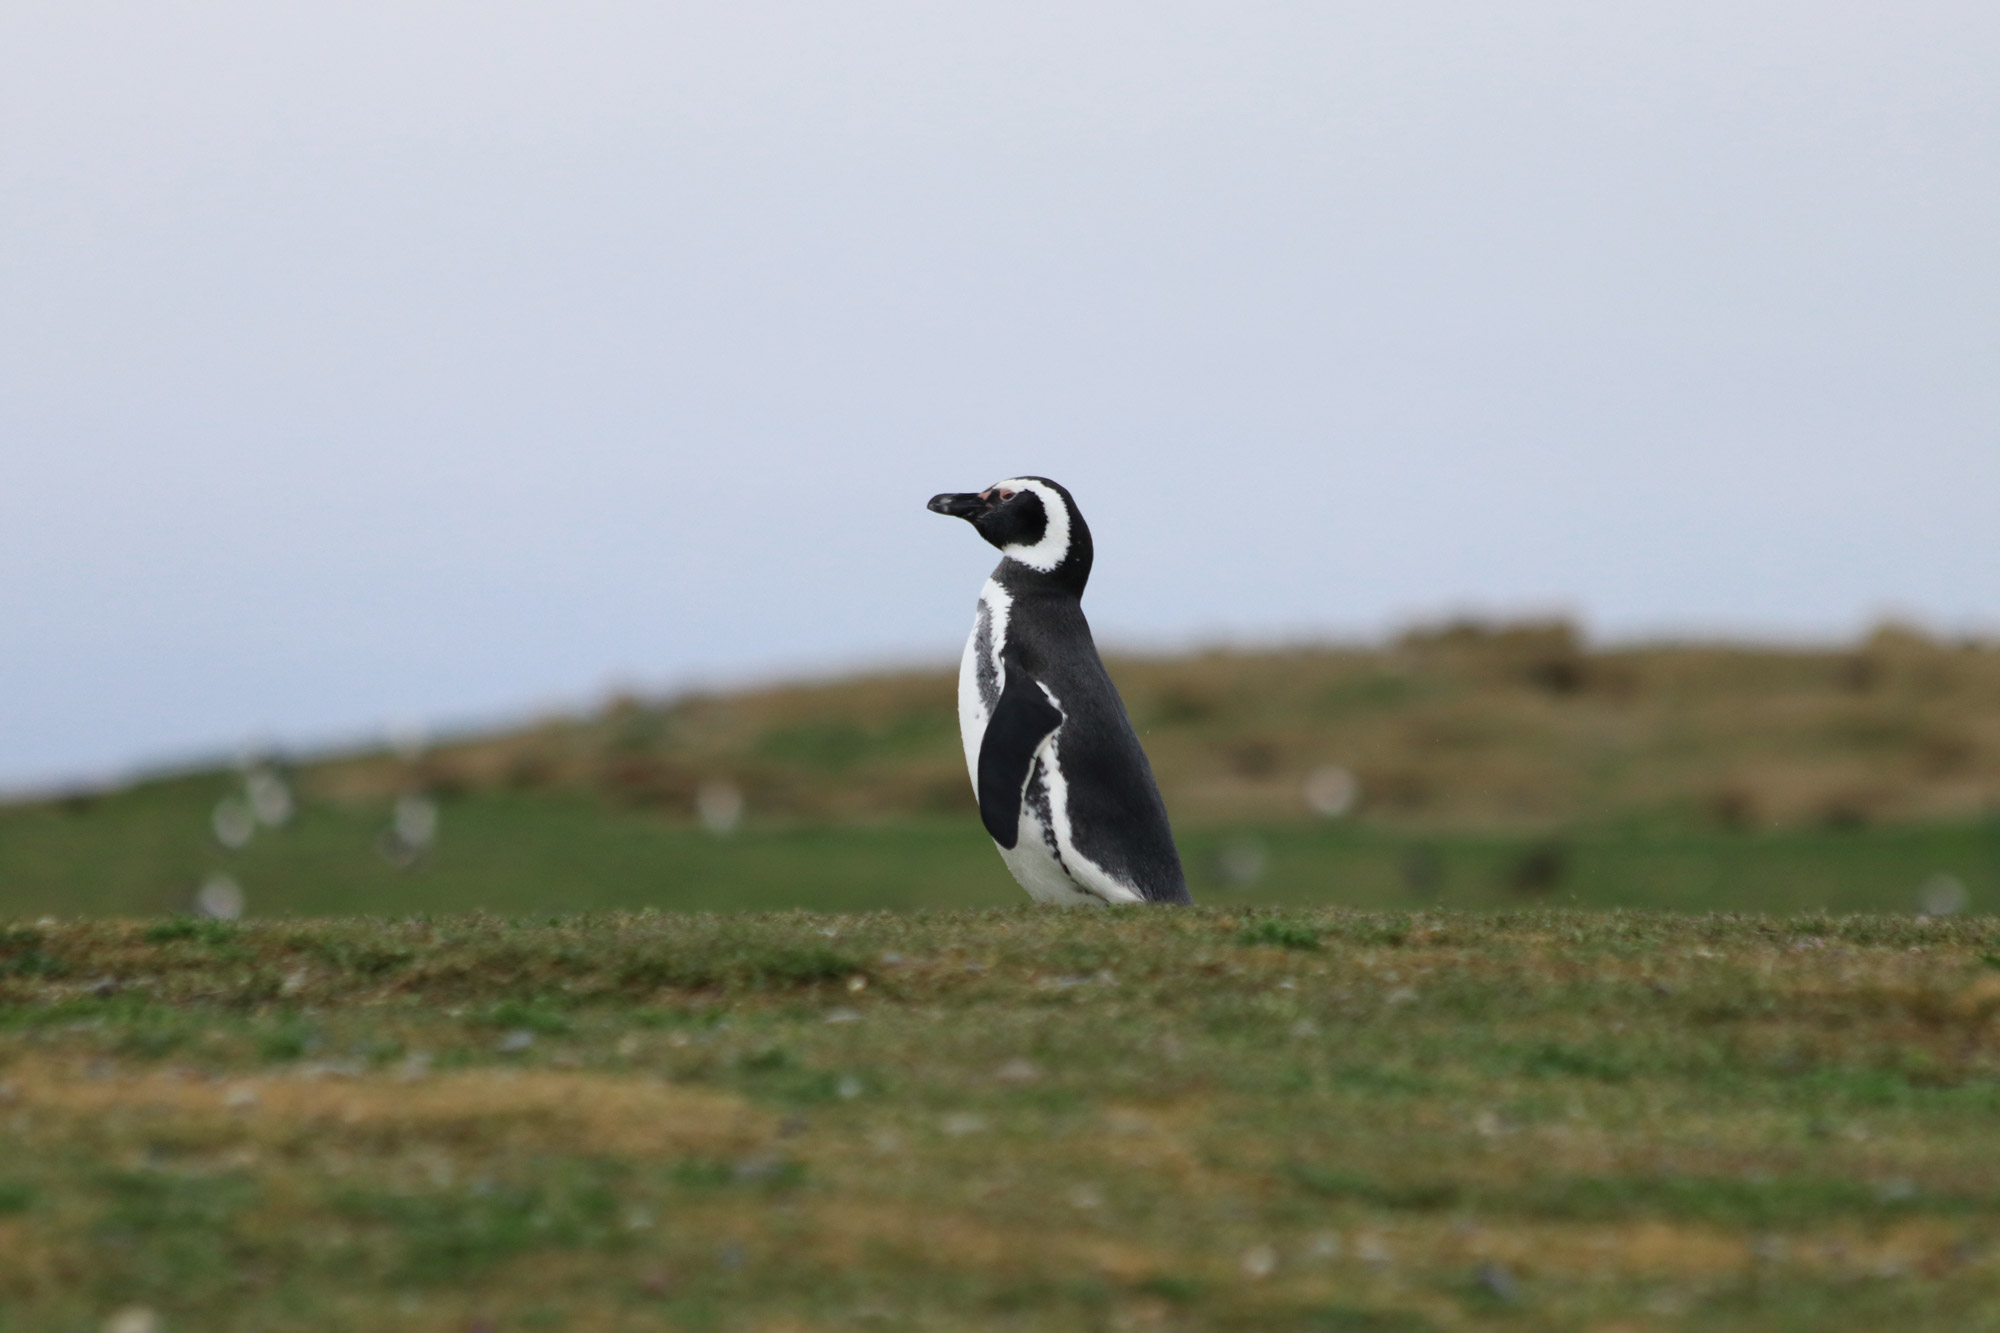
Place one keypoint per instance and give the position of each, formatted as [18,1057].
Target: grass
[1230,1118]
[147,849]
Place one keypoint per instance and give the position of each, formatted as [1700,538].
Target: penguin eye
[1004,495]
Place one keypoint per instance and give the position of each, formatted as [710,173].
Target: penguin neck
[1063,583]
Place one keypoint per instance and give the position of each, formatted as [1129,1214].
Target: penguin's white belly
[980,657]
[1044,858]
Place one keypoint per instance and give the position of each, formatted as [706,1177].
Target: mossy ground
[1004,1119]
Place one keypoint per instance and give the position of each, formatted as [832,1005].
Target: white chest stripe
[999,606]
[972,711]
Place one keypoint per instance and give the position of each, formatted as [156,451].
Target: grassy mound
[1463,727]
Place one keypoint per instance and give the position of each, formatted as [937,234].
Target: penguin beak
[966,506]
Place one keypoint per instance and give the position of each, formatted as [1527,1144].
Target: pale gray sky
[416,360]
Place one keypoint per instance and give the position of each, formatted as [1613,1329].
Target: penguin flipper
[1022,719]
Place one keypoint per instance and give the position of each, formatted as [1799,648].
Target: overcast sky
[385,362]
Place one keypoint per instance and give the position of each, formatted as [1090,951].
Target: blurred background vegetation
[1461,765]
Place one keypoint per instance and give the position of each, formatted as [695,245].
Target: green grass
[146,850]
[1231,1118]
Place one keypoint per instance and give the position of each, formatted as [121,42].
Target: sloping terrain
[1464,727]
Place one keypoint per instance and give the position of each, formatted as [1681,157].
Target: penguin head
[1032,520]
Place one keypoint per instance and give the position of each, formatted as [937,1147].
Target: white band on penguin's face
[1053,548]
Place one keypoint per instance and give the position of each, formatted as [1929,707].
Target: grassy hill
[1463,727]
[1494,766]
[1014,1119]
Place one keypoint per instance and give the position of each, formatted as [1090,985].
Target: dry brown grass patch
[543,1109]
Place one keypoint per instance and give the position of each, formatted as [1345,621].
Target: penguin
[1062,783]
